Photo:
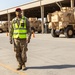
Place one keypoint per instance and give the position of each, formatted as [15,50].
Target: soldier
[20,34]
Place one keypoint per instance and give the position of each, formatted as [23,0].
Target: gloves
[11,42]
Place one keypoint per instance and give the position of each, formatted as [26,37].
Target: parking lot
[46,56]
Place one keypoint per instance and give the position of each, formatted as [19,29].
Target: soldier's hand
[28,41]
[10,41]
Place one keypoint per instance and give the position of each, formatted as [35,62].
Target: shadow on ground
[52,67]
[68,38]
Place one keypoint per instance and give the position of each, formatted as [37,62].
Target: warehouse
[39,9]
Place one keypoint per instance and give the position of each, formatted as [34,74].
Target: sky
[5,4]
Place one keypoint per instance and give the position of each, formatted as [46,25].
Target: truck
[4,27]
[35,24]
[63,22]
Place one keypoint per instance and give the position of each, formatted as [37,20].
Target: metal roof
[29,5]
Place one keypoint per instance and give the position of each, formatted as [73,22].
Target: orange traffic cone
[33,35]
[7,33]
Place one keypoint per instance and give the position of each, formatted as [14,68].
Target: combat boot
[19,67]
[24,67]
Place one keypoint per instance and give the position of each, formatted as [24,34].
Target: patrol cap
[18,9]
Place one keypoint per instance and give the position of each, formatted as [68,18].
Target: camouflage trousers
[20,47]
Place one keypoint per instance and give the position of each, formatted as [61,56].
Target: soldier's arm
[28,29]
[11,31]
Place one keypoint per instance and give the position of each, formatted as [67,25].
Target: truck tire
[1,30]
[39,31]
[69,32]
[53,33]
[32,28]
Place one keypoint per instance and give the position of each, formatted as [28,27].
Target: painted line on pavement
[11,69]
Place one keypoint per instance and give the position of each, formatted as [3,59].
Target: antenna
[59,4]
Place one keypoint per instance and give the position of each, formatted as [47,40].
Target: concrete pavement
[46,56]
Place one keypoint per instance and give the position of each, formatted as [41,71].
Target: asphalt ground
[46,56]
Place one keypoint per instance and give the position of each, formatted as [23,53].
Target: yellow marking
[9,68]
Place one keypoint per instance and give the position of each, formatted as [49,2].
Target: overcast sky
[5,4]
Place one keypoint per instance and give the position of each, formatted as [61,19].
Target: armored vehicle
[63,22]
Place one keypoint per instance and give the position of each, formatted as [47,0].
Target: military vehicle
[35,25]
[63,22]
[4,27]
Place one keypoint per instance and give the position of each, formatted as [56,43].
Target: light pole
[72,3]
[8,14]
[42,15]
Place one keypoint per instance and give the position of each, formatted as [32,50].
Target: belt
[20,39]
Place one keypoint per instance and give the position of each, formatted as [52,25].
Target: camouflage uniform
[20,45]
